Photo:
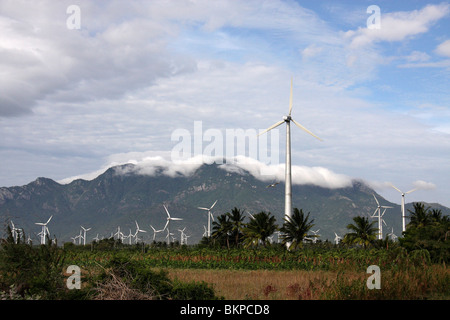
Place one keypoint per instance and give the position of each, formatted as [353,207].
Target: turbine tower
[209,217]
[288,176]
[403,205]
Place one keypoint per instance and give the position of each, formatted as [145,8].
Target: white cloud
[311,51]
[151,166]
[423,185]
[398,26]
[444,49]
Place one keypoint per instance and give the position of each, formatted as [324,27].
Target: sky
[89,84]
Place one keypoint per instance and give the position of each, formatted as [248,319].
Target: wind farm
[239,232]
[237,150]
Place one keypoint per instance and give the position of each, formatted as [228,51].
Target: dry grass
[416,283]
[260,284]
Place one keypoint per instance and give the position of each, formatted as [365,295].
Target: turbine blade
[203,208]
[396,188]
[303,128]
[290,100]
[272,127]
[167,211]
[213,205]
[49,219]
[411,190]
[376,199]
[176,218]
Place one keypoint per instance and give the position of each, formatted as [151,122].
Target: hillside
[119,196]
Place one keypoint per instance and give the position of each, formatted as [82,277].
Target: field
[312,273]
[320,271]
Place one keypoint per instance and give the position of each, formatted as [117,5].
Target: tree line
[428,229]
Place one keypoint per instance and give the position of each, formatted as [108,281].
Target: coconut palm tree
[237,221]
[421,216]
[296,228]
[363,233]
[222,229]
[260,227]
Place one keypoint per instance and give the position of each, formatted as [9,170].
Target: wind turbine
[182,234]
[288,176]
[380,217]
[137,231]
[403,205]
[209,217]
[314,240]
[337,238]
[169,218]
[392,235]
[14,231]
[84,236]
[44,231]
[155,232]
[79,237]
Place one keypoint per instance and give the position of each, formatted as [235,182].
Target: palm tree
[222,229]
[420,217]
[363,233]
[259,228]
[296,228]
[237,222]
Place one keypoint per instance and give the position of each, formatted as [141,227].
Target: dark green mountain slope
[119,196]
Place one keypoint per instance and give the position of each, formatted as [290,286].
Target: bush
[135,280]
[31,270]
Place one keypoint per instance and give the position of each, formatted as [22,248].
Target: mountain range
[121,195]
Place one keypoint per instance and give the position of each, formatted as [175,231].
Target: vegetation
[363,232]
[412,268]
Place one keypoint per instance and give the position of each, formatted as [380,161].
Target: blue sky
[74,102]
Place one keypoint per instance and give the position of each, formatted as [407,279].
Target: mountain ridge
[121,195]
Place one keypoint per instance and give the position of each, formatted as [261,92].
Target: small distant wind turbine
[209,217]
[155,232]
[169,218]
[182,235]
[403,205]
[137,231]
[337,238]
[392,236]
[380,217]
[288,177]
[45,230]
[316,235]
[96,238]
[15,231]
[84,235]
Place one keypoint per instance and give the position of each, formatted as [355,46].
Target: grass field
[420,283]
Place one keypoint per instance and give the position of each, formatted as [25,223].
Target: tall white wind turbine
[288,176]
[403,205]
[44,231]
[380,217]
[209,217]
